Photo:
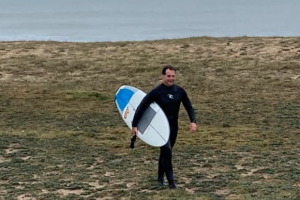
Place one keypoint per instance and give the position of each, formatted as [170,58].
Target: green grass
[62,136]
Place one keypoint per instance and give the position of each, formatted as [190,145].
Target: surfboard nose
[122,97]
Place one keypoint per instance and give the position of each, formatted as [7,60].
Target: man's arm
[147,100]
[190,110]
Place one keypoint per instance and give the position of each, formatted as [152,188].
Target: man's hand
[193,127]
[134,130]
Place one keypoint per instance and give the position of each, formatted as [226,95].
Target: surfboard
[153,127]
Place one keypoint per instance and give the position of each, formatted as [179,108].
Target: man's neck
[167,85]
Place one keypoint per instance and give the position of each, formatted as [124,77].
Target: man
[169,97]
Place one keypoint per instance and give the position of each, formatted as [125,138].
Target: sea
[140,20]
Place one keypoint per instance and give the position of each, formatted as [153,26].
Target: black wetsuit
[169,99]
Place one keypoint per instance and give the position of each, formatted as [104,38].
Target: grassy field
[61,136]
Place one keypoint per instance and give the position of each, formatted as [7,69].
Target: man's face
[169,78]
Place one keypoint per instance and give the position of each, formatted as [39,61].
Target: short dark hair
[163,72]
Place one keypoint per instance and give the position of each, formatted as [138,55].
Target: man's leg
[161,173]
[166,157]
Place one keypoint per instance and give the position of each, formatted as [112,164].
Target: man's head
[168,75]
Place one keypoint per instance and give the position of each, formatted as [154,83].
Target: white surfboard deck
[153,127]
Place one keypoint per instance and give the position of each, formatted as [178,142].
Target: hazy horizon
[135,20]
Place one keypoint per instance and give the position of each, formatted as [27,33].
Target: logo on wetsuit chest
[171,96]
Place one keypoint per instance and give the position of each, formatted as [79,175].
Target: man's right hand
[134,130]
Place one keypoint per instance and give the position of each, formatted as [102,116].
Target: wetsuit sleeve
[188,106]
[147,100]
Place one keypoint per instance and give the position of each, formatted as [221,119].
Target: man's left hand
[193,127]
